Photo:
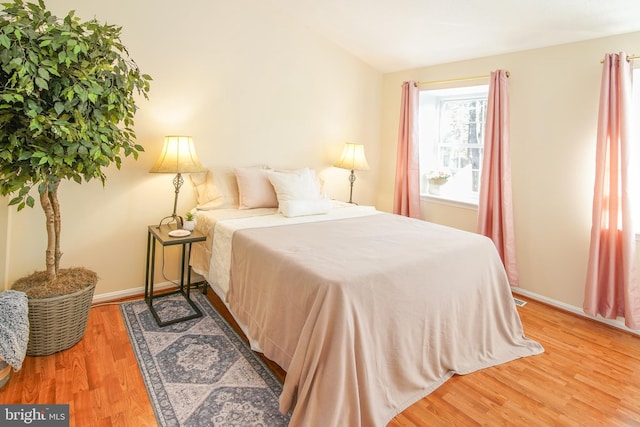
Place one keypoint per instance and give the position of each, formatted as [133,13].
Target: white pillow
[254,189]
[296,185]
[293,208]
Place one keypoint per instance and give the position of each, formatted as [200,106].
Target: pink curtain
[406,200]
[495,207]
[612,287]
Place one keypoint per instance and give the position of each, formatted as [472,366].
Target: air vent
[519,302]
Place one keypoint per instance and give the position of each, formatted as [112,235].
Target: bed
[366,311]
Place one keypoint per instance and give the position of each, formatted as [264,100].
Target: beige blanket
[220,224]
[368,315]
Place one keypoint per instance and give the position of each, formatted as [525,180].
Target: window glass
[451,127]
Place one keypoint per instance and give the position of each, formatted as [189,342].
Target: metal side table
[160,234]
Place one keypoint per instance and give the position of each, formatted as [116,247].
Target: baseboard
[128,293]
[572,309]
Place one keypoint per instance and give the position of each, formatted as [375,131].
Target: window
[451,135]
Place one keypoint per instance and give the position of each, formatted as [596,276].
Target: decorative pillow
[254,189]
[204,188]
[225,180]
[215,189]
[296,185]
[293,208]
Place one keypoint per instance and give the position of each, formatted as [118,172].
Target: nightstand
[160,235]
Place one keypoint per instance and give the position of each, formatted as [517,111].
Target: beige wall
[554,106]
[4,229]
[251,87]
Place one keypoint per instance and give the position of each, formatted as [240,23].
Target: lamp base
[352,180]
[172,218]
[177,183]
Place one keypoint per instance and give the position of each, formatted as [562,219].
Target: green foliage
[67,100]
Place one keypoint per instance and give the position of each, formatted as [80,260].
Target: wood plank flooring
[588,375]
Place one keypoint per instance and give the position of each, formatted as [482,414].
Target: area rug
[200,372]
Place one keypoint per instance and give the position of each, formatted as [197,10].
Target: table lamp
[352,158]
[178,156]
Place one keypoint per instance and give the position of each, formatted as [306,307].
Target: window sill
[430,198]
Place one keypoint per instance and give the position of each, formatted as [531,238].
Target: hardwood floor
[588,375]
[98,377]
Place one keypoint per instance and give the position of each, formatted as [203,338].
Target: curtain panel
[406,199]
[495,204]
[612,287]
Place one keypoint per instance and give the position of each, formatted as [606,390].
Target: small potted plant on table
[189,222]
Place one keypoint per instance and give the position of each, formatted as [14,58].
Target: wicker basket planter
[58,323]
[5,373]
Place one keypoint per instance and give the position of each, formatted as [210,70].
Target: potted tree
[67,104]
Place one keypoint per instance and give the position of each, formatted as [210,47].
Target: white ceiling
[404,34]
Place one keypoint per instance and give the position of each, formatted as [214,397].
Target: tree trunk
[51,208]
[57,224]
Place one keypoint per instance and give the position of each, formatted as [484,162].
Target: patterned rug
[200,372]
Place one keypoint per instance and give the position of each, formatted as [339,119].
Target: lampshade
[178,156]
[352,158]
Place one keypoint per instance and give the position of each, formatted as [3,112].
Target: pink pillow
[255,189]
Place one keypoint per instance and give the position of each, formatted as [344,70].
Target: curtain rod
[629,58]
[462,79]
